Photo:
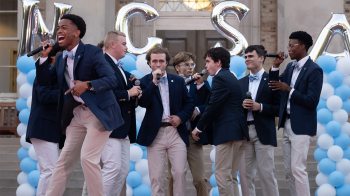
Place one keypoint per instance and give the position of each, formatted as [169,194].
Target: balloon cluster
[136,65]
[29,176]
[333,130]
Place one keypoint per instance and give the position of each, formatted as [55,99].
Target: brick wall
[347,9]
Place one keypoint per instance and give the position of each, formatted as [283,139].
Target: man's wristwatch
[90,87]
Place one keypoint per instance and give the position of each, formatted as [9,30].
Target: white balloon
[22,178]
[343,65]
[21,129]
[320,129]
[135,153]
[344,166]
[321,179]
[325,78]
[326,190]
[32,153]
[335,153]
[146,180]
[128,190]
[21,79]
[346,128]
[141,166]
[141,64]
[24,144]
[25,190]
[29,102]
[346,81]
[211,192]
[140,113]
[212,155]
[325,141]
[327,90]
[334,103]
[340,116]
[25,90]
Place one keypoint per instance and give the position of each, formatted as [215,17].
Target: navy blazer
[90,65]
[127,107]
[304,100]
[200,99]
[224,111]
[264,121]
[181,104]
[43,120]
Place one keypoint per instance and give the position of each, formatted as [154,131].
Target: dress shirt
[253,89]
[164,94]
[118,64]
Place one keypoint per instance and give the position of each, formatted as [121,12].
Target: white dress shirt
[253,89]
[164,94]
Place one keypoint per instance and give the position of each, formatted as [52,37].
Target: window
[8,18]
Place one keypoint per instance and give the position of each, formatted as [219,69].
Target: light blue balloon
[237,65]
[327,166]
[343,190]
[346,106]
[22,153]
[336,179]
[333,128]
[343,92]
[131,55]
[25,64]
[142,190]
[131,166]
[134,179]
[321,104]
[335,78]
[343,140]
[24,116]
[324,116]
[327,63]
[212,180]
[346,154]
[320,154]
[31,76]
[137,74]
[129,63]
[144,155]
[27,165]
[33,178]
[213,167]
[215,191]
[21,104]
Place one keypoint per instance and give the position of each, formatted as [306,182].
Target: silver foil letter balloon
[123,17]
[218,20]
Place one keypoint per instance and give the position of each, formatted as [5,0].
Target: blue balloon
[333,128]
[327,166]
[324,116]
[237,65]
[131,166]
[346,154]
[343,140]
[210,80]
[144,155]
[335,78]
[327,63]
[134,179]
[212,180]
[31,76]
[213,167]
[346,106]
[27,165]
[321,104]
[142,190]
[137,74]
[215,191]
[343,190]
[129,63]
[131,55]
[343,92]
[21,104]
[33,178]
[24,116]
[22,153]
[336,179]
[320,154]
[25,64]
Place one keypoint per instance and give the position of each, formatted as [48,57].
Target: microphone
[276,55]
[39,49]
[158,76]
[137,83]
[188,81]
[248,95]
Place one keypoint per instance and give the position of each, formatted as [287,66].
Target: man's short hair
[183,57]
[111,36]
[158,50]
[78,21]
[259,49]
[303,38]
[221,54]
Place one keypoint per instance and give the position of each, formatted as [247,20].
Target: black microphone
[158,76]
[188,81]
[248,95]
[137,83]
[276,55]
[39,49]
